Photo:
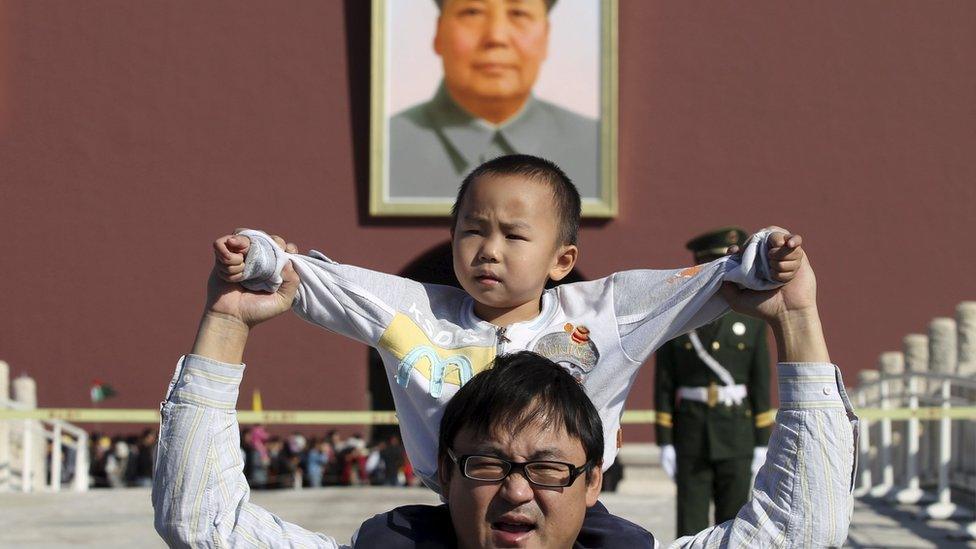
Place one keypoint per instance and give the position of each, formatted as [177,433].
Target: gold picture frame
[384,200]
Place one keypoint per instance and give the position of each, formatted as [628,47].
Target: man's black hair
[516,391]
[565,195]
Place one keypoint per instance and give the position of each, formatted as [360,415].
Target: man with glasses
[519,448]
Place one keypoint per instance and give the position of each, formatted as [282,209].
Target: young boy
[515,226]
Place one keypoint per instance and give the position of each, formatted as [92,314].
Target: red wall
[132,134]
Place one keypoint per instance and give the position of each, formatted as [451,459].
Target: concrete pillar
[943,508]
[942,345]
[864,477]
[34,446]
[865,377]
[966,325]
[892,366]
[915,347]
[943,359]
[4,429]
[966,357]
[884,441]
[870,466]
[912,492]
[916,350]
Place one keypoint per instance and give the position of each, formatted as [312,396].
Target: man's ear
[594,483]
[565,260]
[444,475]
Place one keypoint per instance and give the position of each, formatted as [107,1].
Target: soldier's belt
[714,394]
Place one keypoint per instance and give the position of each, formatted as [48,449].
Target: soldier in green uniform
[712,403]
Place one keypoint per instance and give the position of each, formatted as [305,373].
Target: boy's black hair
[565,195]
[517,390]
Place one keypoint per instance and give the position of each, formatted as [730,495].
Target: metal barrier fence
[917,434]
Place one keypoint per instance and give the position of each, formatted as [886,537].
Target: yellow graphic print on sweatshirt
[415,351]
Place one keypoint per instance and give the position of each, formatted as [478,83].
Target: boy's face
[506,246]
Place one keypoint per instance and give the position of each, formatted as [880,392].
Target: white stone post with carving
[916,350]
[884,439]
[865,395]
[4,429]
[942,359]
[32,471]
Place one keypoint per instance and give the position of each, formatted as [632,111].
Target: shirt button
[187,378]
[826,390]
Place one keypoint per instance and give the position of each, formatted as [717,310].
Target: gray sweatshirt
[431,342]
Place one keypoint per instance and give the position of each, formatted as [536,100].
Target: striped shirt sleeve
[200,495]
[802,494]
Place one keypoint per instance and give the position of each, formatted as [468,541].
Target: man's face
[492,49]
[514,512]
[505,243]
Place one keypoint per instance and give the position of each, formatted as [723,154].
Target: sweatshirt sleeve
[655,306]
[350,301]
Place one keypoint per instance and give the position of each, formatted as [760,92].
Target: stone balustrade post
[866,397]
[942,346]
[943,508]
[966,337]
[32,467]
[892,366]
[966,358]
[5,456]
[916,350]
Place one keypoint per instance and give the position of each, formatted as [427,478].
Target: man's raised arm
[802,494]
[200,494]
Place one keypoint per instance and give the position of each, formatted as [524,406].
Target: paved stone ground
[123,518]
[877,524]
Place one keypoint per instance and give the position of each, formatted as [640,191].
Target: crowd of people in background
[270,461]
[118,462]
[297,461]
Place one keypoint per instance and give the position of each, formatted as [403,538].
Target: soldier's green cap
[716,242]
[549,3]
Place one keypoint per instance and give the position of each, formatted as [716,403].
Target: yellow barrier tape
[269,417]
[85,415]
[925,414]
[312,417]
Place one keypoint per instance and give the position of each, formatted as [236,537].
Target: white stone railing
[25,464]
[917,436]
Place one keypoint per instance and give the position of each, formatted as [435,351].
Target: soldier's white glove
[758,458]
[669,461]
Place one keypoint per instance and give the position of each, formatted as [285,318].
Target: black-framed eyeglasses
[550,474]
